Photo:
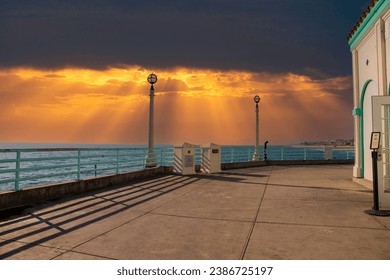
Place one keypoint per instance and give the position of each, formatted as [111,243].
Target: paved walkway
[294,212]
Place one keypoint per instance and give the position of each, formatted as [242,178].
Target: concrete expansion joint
[110,200]
[323,226]
[88,254]
[381,222]
[202,218]
[45,221]
[245,247]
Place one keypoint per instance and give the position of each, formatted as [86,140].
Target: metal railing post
[78,165]
[117,161]
[304,153]
[17,172]
[144,158]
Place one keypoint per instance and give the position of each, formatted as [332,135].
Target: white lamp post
[256,155]
[151,157]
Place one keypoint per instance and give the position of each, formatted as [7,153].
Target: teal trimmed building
[369,42]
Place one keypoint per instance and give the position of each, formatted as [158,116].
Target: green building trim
[361,103]
[375,12]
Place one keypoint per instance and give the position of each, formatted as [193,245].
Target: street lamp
[151,157]
[256,155]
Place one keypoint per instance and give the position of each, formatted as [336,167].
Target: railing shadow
[216,177]
[245,174]
[89,207]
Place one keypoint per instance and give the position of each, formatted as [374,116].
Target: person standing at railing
[265,149]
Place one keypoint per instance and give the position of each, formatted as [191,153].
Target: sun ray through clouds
[194,105]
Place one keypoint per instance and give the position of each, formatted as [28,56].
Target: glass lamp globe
[152,79]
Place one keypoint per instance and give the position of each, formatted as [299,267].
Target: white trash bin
[211,158]
[184,159]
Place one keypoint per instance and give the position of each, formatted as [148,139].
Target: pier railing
[25,167]
[20,168]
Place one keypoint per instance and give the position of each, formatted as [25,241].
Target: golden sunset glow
[193,105]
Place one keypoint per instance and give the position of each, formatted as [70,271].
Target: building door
[381,123]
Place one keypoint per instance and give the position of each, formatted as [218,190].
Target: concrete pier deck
[271,212]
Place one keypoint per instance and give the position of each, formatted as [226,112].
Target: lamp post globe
[256,99]
[152,79]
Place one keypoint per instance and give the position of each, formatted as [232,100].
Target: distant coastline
[337,144]
[318,146]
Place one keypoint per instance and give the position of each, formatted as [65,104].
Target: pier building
[369,42]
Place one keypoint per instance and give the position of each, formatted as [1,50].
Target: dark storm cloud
[256,35]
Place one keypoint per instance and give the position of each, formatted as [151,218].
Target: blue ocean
[30,164]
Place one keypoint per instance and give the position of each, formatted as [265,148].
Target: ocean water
[4,145]
[39,166]
[42,163]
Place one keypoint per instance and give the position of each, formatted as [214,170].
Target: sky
[75,71]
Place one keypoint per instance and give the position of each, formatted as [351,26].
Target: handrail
[20,168]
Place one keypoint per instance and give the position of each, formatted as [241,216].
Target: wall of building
[371,70]
[366,67]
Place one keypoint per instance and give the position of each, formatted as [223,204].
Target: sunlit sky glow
[193,105]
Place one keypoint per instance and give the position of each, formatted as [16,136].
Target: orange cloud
[194,105]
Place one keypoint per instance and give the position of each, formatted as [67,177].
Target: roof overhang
[370,16]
